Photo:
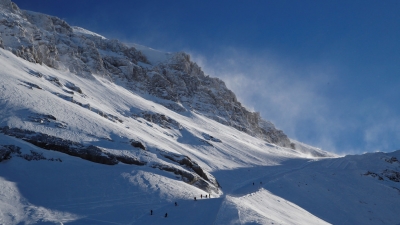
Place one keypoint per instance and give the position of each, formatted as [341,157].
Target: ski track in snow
[246,189]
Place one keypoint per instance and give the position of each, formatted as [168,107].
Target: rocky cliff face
[177,81]
[181,80]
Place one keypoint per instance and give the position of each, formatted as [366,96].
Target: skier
[206,196]
[201,196]
[166,215]
[195,199]
[253,183]
[151,212]
[176,204]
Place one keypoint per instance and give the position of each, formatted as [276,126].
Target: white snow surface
[261,183]
[154,56]
[83,31]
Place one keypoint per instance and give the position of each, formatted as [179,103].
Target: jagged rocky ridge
[189,171]
[177,80]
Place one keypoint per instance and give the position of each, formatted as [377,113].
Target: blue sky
[325,72]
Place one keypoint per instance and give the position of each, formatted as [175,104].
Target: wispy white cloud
[295,97]
[381,132]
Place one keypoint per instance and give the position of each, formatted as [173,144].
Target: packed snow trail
[198,212]
[262,174]
[335,190]
[239,201]
[218,211]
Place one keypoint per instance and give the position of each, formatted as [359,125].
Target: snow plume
[305,99]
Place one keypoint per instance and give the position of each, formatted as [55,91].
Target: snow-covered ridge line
[173,77]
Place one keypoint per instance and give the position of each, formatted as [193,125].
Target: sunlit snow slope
[295,188]
[70,188]
[89,149]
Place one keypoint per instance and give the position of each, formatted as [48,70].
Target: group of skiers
[166,214]
[201,196]
[176,204]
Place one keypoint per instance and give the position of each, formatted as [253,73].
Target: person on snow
[151,212]
[166,215]
[195,199]
[201,196]
[176,204]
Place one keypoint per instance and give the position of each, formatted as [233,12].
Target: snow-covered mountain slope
[180,83]
[356,189]
[85,146]
[59,111]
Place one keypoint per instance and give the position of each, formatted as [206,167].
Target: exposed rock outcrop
[7,151]
[159,119]
[138,144]
[91,153]
[192,174]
